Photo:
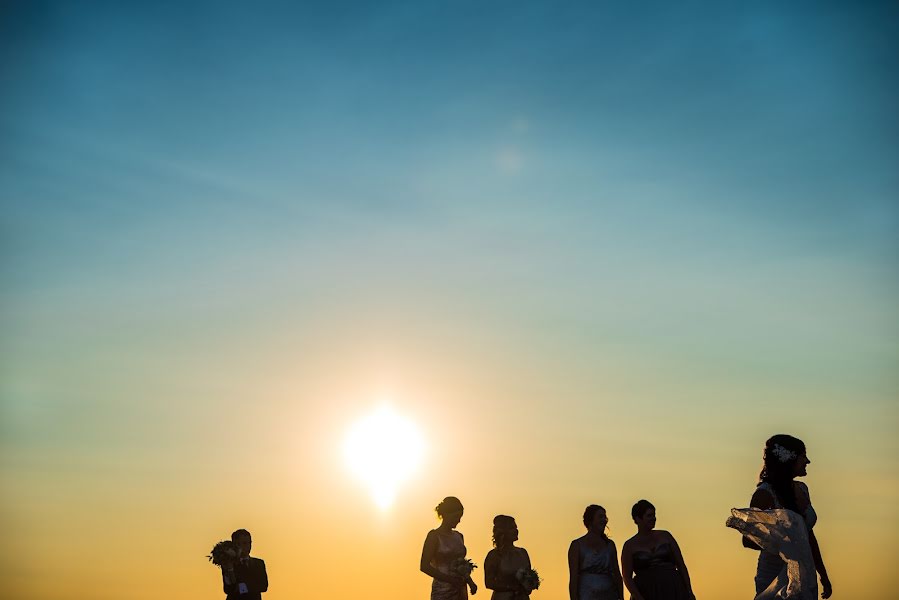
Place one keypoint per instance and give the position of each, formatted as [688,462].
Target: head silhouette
[505,530]
[596,520]
[450,510]
[244,542]
[783,458]
[644,514]
[639,509]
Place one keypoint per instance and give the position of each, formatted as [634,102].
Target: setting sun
[383,450]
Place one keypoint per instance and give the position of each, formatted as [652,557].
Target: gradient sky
[597,251]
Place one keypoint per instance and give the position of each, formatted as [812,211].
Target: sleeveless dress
[595,581]
[785,567]
[656,574]
[449,548]
[509,563]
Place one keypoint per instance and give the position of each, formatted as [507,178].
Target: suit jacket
[253,575]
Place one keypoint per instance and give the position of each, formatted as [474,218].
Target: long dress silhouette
[770,564]
[505,566]
[450,548]
[595,578]
[783,536]
[656,574]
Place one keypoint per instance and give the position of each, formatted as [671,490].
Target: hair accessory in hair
[782,454]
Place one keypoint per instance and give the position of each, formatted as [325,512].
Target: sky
[595,252]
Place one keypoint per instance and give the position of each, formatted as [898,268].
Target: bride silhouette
[779,522]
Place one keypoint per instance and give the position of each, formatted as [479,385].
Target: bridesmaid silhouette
[443,547]
[593,572]
[504,561]
[651,561]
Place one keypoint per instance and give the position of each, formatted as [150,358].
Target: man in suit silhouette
[245,578]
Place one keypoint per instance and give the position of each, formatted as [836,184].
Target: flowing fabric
[595,574]
[782,533]
[450,547]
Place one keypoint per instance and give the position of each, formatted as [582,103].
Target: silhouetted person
[503,562]
[651,561]
[443,548]
[593,572]
[784,459]
[245,578]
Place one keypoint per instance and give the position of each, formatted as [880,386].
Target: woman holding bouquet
[507,568]
[593,561]
[443,555]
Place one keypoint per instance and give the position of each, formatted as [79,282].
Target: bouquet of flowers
[222,553]
[463,567]
[528,578]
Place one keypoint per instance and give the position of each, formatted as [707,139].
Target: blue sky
[568,143]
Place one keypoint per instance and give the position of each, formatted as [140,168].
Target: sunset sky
[594,252]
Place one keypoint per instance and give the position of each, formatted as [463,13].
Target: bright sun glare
[384,450]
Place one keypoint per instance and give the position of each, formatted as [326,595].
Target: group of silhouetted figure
[651,561]
[778,523]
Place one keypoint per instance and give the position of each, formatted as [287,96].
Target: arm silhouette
[802,495]
[263,580]
[765,501]
[616,571]
[573,569]
[468,580]
[681,566]
[229,579]
[627,571]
